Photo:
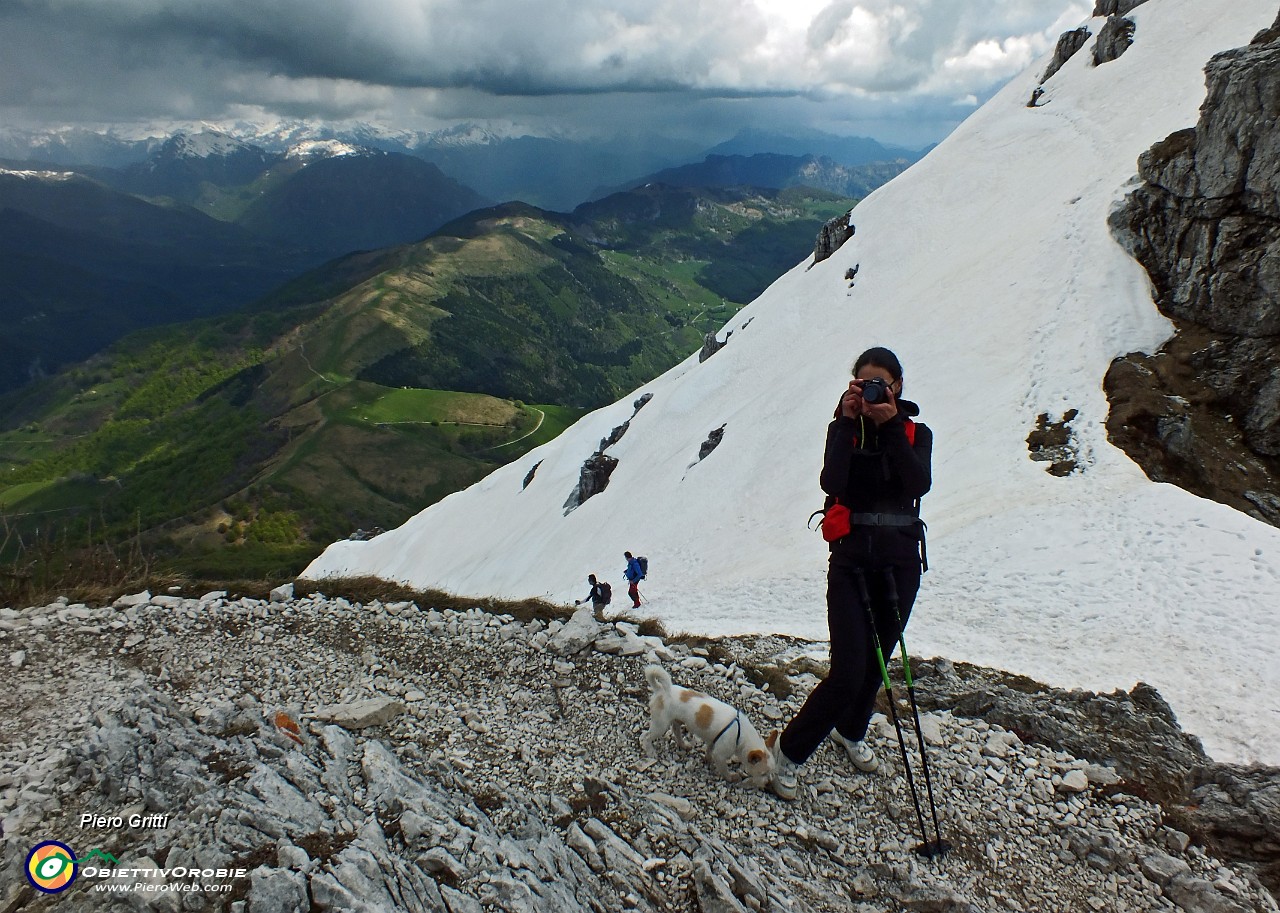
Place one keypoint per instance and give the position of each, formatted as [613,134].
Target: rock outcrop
[1114,38]
[1068,44]
[1204,412]
[592,479]
[711,443]
[1116,7]
[831,236]
[711,345]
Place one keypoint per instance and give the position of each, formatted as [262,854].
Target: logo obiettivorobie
[51,867]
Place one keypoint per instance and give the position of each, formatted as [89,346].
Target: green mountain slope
[84,264]
[364,391]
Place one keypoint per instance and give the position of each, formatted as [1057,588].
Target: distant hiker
[600,596]
[876,469]
[634,574]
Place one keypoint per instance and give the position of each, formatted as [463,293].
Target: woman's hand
[851,403]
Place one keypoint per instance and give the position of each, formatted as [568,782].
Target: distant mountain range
[554,173]
[386,380]
[134,232]
[777,171]
[845,150]
[204,225]
[84,264]
[321,195]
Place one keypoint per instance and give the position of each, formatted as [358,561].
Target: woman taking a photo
[875,471]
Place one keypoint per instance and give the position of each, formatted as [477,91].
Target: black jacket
[875,470]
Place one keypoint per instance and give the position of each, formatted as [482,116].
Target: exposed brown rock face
[1204,412]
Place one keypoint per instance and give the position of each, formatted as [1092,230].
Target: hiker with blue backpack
[637,569]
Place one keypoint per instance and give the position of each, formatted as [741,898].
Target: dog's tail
[658,678]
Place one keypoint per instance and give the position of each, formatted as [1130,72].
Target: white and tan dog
[725,730]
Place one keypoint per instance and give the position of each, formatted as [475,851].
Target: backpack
[606,592]
[644,567]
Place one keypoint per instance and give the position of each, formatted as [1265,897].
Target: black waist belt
[883,520]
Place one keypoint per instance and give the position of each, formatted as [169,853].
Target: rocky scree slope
[390,757]
[1204,411]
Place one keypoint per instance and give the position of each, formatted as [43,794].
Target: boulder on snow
[593,479]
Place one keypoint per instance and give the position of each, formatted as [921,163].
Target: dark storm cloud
[540,47]
[106,60]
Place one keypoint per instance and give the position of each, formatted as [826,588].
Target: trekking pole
[893,710]
[939,846]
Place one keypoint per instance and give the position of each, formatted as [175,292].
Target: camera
[875,390]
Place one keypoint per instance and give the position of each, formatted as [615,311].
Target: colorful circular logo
[51,867]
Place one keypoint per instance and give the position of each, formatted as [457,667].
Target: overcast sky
[900,70]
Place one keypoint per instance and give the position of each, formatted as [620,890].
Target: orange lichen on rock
[288,726]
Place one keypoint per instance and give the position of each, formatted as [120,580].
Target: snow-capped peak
[461,135]
[204,144]
[39,175]
[322,148]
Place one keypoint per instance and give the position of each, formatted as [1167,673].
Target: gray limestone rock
[375,711]
[277,891]
[579,632]
[1205,223]
[1163,868]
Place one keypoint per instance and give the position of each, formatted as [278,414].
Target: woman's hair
[881,358]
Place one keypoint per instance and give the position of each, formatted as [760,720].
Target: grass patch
[369,589]
[395,406]
[10,497]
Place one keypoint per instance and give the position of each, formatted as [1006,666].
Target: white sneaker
[859,753]
[786,781]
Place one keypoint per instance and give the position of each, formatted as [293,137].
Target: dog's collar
[737,719]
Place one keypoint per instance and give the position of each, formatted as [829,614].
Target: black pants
[845,699]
